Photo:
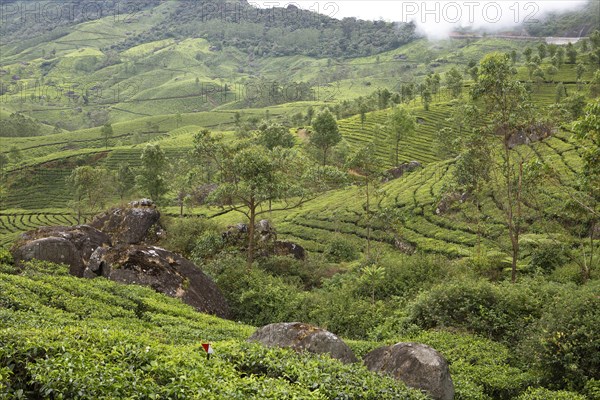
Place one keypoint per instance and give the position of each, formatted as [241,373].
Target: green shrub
[6,263]
[592,389]
[255,297]
[340,310]
[545,394]
[490,264]
[44,267]
[183,233]
[5,257]
[405,276]
[309,272]
[567,273]
[340,249]
[546,257]
[207,245]
[566,338]
[500,312]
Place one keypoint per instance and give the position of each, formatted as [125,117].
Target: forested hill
[277,31]
[574,23]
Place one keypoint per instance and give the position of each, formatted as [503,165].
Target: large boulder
[71,245]
[304,337]
[417,365]
[285,248]
[136,223]
[400,170]
[266,242]
[449,200]
[162,270]
[528,134]
[265,231]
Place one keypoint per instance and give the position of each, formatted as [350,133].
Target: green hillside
[150,346]
[485,249]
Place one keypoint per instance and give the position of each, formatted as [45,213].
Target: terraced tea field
[13,223]
[416,147]
[454,234]
[460,232]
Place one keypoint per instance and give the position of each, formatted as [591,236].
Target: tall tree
[310,113]
[90,187]
[426,96]
[125,182]
[250,177]
[473,167]
[107,132]
[587,129]
[363,109]
[571,53]
[383,98]
[275,135]
[151,174]
[454,81]
[527,53]
[182,177]
[365,163]
[400,125]
[542,50]
[580,71]
[326,133]
[508,108]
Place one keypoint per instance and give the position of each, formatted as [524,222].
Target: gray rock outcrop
[304,337]
[400,170]
[163,271]
[71,245]
[133,224]
[120,252]
[266,240]
[285,248]
[417,365]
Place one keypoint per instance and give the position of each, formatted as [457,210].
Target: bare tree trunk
[515,256]
[368,221]
[515,226]
[250,259]
[586,268]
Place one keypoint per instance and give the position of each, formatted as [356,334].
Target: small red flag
[208,349]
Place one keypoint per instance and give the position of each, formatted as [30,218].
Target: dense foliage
[276,31]
[18,125]
[63,337]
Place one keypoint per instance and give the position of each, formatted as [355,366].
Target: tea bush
[139,344]
[545,394]
[340,249]
[500,312]
[566,338]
